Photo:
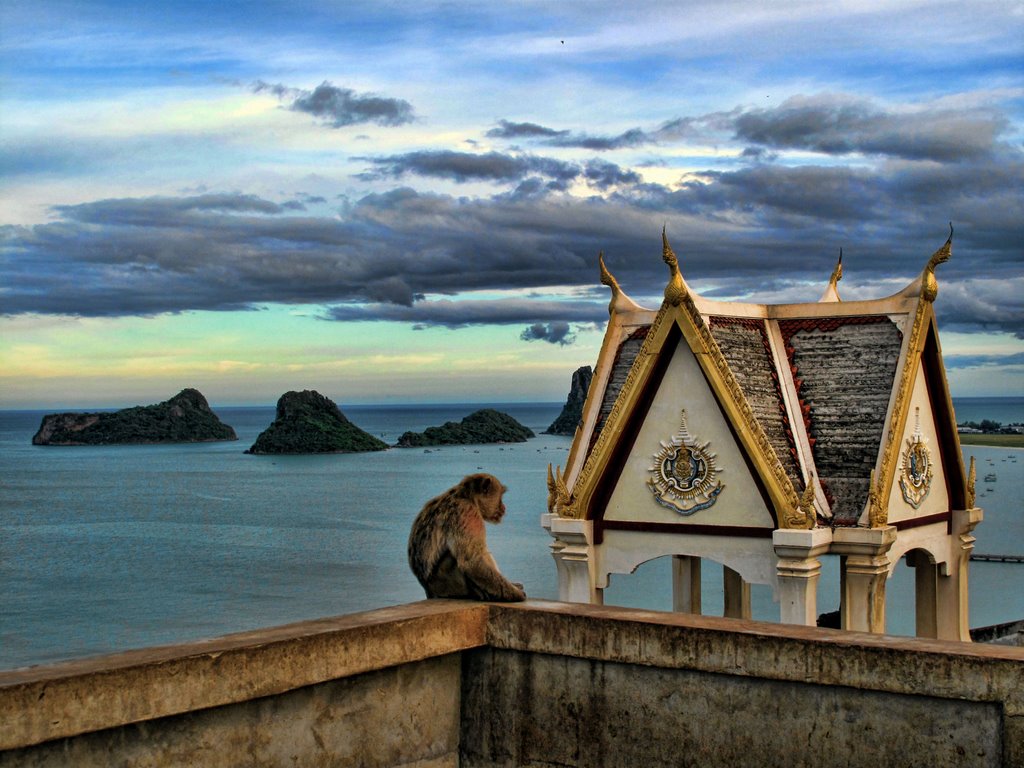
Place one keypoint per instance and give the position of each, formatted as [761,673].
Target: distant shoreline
[992,441]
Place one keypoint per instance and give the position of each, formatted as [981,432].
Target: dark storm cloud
[467,166]
[841,125]
[671,130]
[341,107]
[764,228]
[825,123]
[500,167]
[954,362]
[554,333]
[452,313]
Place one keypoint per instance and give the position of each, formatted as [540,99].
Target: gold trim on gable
[924,319]
[679,309]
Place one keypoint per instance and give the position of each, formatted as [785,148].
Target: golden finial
[804,517]
[837,273]
[675,291]
[972,477]
[930,286]
[608,279]
[878,513]
[551,491]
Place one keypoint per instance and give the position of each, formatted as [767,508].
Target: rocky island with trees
[484,426]
[185,418]
[308,422]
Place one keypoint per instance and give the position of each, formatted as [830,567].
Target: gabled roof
[816,394]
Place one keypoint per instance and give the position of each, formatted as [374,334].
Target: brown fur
[448,544]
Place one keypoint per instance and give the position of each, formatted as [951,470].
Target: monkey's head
[486,492]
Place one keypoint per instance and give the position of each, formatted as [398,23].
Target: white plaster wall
[624,551]
[931,538]
[937,500]
[684,386]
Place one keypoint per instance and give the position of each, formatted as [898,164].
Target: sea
[104,549]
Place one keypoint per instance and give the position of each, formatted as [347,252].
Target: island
[185,418]
[484,426]
[308,422]
[572,412]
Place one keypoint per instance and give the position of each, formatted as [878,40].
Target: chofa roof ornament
[620,302]
[832,291]
[929,285]
[676,289]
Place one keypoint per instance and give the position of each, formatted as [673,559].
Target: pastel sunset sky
[404,202]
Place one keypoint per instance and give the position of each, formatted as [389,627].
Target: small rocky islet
[572,412]
[484,426]
[305,422]
[308,422]
[185,418]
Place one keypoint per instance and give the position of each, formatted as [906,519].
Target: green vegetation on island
[185,418]
[484,426]
[308,422]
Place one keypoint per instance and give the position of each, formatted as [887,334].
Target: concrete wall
[444,683]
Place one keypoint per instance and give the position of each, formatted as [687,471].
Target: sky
[405,201]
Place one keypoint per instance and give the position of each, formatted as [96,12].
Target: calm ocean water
[109,548]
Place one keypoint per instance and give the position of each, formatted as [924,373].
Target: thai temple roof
[818,394]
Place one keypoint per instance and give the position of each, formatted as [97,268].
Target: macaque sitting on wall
[448,545]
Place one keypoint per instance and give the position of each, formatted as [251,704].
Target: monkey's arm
[477,564]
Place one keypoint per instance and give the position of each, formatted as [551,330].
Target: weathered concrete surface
[44,703]
[781,691]
[527,709]
[400,716]
[443,683]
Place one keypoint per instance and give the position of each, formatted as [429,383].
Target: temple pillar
[798,569]
[926,575]
[951,599]
[573,552]
[864,570]
[737,594]
[686,584]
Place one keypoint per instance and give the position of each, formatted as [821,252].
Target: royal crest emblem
[916,466]
[685,475]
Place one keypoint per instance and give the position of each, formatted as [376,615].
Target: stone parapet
[446,683]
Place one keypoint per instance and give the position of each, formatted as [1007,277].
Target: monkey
[448,544]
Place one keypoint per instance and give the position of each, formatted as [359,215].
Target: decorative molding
[598,453]
[916,466]
[901,406]
[685,473]
[972,476]
[878,507]
[803,516]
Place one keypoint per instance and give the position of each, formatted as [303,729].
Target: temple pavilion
[763,437]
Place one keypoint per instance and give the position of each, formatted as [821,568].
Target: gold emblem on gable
[916,466]
[684,477]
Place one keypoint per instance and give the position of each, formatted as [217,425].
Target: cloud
[468,166]
[764,228]
[553,333]
[510,130]
[956,362]
[842,125]
[500,167]
[451,313]
[340,107]
[829,124]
